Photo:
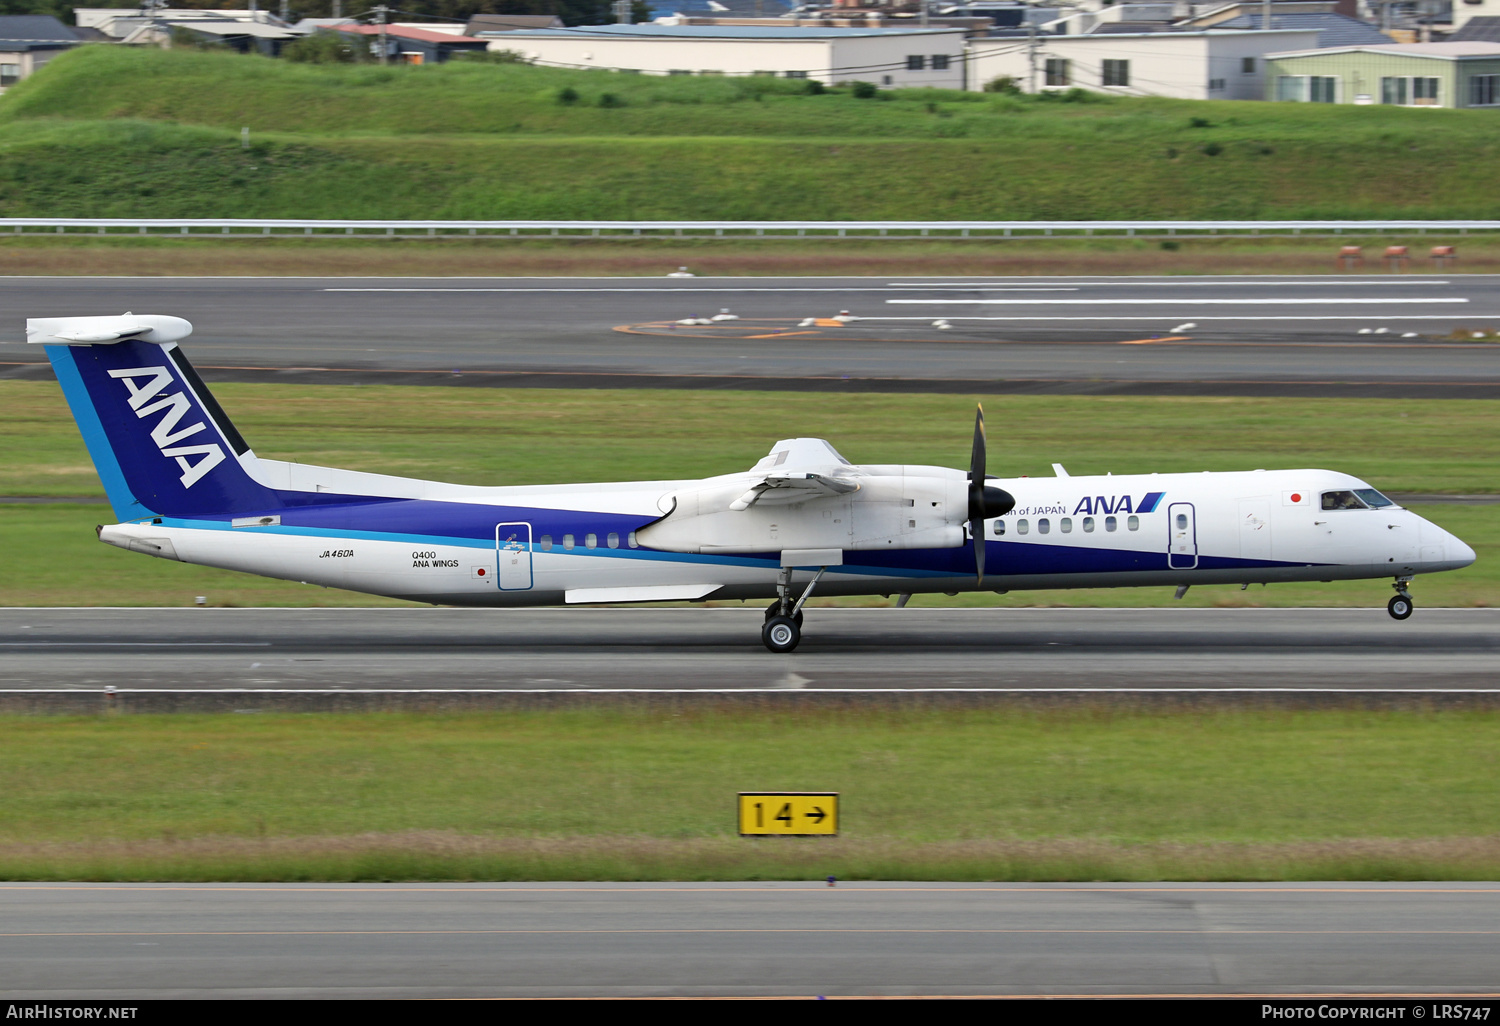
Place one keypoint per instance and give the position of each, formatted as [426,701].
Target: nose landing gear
[1401,605]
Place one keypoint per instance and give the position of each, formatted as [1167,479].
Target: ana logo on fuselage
[165,433]
[1118,504]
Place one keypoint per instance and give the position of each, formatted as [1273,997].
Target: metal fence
[286,227]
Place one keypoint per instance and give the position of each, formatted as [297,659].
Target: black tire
[1400,607]
[774,610]
[781,634]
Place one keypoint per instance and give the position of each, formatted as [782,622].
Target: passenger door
[513,556]
[1182,545]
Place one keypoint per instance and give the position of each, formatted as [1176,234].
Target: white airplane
[186,486]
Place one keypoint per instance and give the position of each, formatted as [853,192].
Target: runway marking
[1042,995]
[1370,995]
[1328,283]
[690,290]
[1270,301]
[670,329]
[247,692]
[940,931]
[135,644]
[1205,317]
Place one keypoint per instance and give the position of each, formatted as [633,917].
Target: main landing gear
[1401,605]
[783,628]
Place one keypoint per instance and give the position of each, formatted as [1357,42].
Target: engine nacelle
[901,508]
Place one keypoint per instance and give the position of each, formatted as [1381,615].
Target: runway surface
[706,649]
[1363,335]
[141,941]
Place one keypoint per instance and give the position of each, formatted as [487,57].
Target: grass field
[634,795]
[117,131]
[38,254]
[556,435]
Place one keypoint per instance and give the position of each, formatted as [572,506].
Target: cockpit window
[1372,498]
[1342,500]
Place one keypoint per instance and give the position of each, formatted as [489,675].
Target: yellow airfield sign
[788,813]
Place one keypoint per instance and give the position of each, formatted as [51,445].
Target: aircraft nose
[1460,551]
[1444,548]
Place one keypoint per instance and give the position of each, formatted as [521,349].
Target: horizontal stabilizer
[87,331]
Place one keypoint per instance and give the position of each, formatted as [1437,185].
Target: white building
[124,22]
[891,57]
[1465,11]
[1207,65]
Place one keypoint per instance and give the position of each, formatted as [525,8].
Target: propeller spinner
[985,502]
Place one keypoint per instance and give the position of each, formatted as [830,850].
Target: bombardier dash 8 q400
[187,487]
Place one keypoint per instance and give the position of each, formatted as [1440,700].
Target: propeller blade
[985,502]
[976,493]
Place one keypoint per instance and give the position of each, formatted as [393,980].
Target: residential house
[1208,64]
[893,57]
[28,41]
[1448,74]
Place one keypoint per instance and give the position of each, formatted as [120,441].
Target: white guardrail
[698,229]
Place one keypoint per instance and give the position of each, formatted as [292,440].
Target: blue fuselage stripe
[427,523]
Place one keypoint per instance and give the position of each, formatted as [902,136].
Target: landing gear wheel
[781,634]
[1400,607]
[774,610]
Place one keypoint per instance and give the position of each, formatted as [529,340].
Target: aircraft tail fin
[160,441]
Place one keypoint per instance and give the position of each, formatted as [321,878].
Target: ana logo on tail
[165,433]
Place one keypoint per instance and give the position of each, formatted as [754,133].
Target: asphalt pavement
[1381,336]
[144,941]
[849,651]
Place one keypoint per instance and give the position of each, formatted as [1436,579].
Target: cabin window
[546,543]
[1111,524]
[591,540]
[568,542]
[1088,525]
[614,540]
[1133,524]
[630,540]
[1022,527]
[999,527]
[1342,500]
[1182,521]
[1043,526]
[1066,523]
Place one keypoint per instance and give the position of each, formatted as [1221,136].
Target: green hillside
[110,131]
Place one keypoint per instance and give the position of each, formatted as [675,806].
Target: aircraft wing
[798,469]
